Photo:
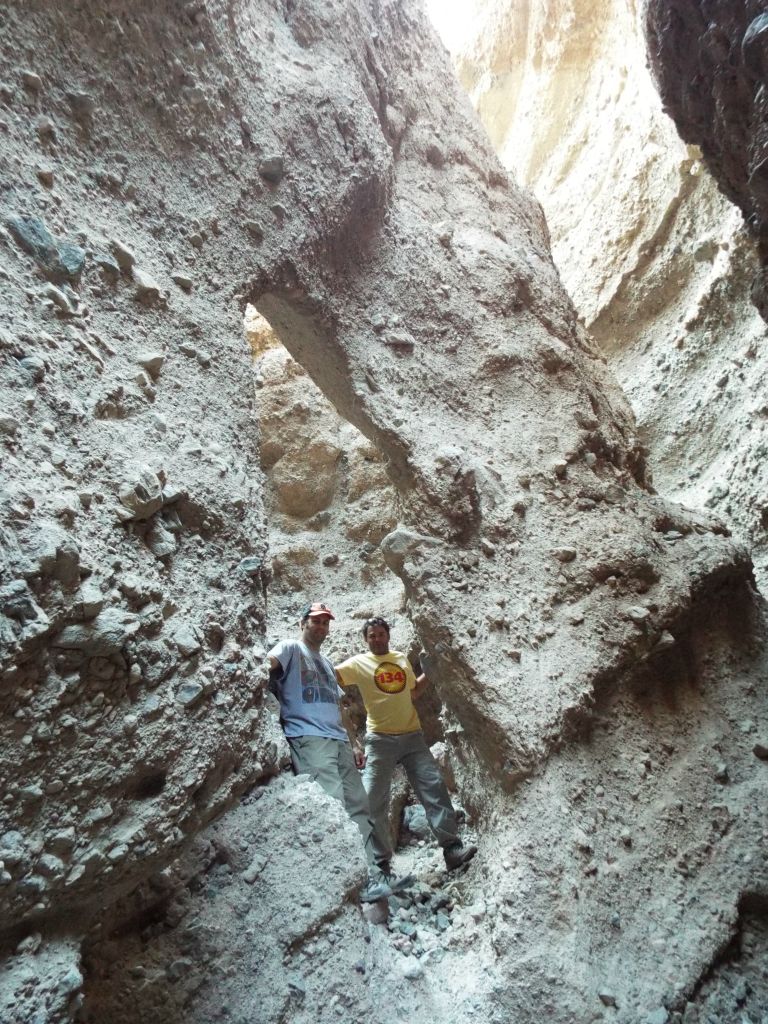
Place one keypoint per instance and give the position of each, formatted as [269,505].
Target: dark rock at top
[272,168]
[711,64]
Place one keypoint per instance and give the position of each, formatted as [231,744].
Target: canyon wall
[659,263]
[597,648]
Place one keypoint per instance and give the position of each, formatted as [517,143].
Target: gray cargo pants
[332,764]
[411,751]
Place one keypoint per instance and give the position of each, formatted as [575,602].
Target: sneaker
[399,884]
[457,855]
[375,891]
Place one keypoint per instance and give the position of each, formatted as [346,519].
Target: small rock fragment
[272,169]
[250,566]
[564,554]
[638,614]
[59,261]
[143,495]
[125,258]
[664,643]
[186,640]
[9,425]
[411,968]
[104,636]
[90,601]
[254,869]
[400,341]
[183,281]
[189,694]
[45,175]
[31,81]
[82,105]
[152,363]
[147,290]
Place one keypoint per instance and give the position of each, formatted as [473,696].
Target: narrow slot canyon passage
[299,306]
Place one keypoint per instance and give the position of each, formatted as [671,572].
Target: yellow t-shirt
[385,682]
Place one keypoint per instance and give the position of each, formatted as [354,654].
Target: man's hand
[359,755]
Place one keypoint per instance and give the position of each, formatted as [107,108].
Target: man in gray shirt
[304,681]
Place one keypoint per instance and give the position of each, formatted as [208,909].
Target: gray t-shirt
[308,692]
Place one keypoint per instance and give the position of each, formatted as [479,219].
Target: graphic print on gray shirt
[308,692]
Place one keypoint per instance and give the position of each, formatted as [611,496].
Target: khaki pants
[411,751]
[331,764]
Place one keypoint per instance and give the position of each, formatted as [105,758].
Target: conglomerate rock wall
[658,262]
[598,650]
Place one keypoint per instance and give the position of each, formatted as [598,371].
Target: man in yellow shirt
[387,684]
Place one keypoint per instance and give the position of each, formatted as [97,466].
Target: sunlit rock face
[596,647]
[658,262]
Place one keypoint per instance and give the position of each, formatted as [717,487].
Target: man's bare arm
[346,721]
[421,684]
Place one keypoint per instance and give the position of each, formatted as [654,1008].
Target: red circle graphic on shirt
[389,678]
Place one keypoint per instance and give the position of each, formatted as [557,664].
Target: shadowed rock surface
[710,63]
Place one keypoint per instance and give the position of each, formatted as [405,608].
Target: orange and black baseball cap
[314,611]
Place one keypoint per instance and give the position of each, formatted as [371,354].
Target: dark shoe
[457,855]
[399,884]
[382,883]
[375,891]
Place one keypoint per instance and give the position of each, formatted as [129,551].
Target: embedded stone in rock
[638,615]
[401,543]
[124,256]
[45,174]
[664,643]
[189,694]
[143,496]
[147,290]
[186,640]
[32,81]
[184,281]
[152,362]
[254,869]
[659,1016]
[107,264]
[106,635]
[34,367]
[160,540]
[250,566]
[401,341]
[82,105]
[564,554]
[90,601]
[272,168]
[9,425]
[57,296]
[59,261]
